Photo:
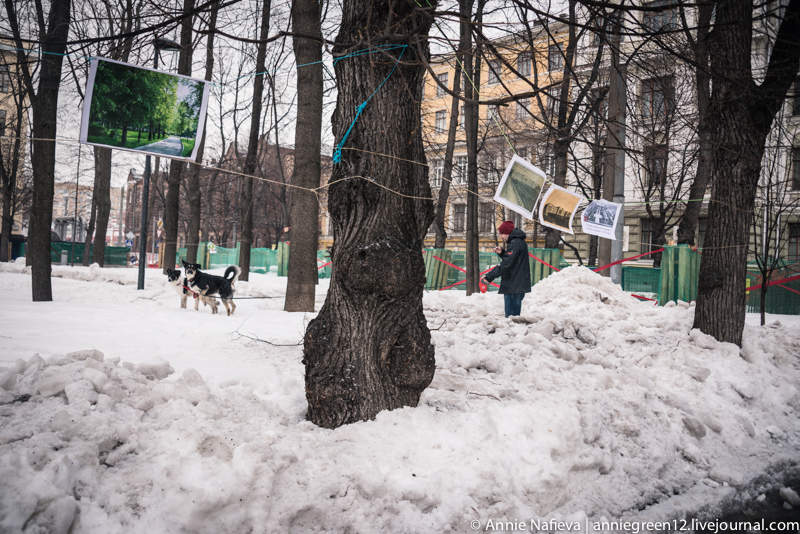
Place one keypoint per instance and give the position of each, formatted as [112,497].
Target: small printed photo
[520,187]
[558,208]
[144,110]
[600,218]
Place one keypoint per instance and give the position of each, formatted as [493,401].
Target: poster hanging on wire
[558,208]
[143,110]
[520,187]
[600,218]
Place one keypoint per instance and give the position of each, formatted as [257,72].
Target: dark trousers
[513,303]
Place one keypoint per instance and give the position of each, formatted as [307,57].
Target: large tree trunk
[43,157]
[195,200]
[304,212]
[743,114]
[252,145]
[369,349]
[176,167]
[102,198]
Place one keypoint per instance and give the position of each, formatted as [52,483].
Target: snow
[121,412]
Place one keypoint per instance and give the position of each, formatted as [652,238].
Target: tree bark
[194,189]
[743,114]
[176,167]
[369,349]
[87,242]
[43,157]
[252,145]
[8,221]
[102,199]
[304,213]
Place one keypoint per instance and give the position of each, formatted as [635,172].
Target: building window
[647,235]
[486,218]
[441,121]
[656,101]
[2,122]
[461,117]
[5,79]
[522,108]
[655,19]
[459,217]
[460,170]
[524,64]
[796,168]
[555,61]
[655,161]
[793,254]
[493,76]
[438,172]
[442,82]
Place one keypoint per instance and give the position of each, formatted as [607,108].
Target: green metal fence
[639,279]
[783,298]
[112,255]
[680,269]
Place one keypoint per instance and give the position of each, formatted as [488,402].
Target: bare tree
[194,187]
[472,66]
[176,167]
[774,204]
[252,143]
[304,209]
[744,112]
[12,149]
[53,38]
[369,347]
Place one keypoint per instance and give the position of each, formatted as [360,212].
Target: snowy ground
[120,412]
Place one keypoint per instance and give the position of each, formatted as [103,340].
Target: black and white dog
[175,279]
[209,285]
[181,285]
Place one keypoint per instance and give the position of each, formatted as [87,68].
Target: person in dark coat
[514,268]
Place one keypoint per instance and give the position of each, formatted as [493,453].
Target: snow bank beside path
[591,405]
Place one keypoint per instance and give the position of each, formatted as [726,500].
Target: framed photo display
[143,110]
[520,187]
[558,208]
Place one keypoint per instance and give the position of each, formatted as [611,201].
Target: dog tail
[235,271]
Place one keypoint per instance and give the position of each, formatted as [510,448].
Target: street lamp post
[158,44]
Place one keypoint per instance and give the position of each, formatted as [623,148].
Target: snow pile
[536,417]
[641,403]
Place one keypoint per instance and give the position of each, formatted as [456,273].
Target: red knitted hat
[506,228]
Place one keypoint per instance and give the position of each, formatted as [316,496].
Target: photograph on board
[558,208]
[520,187]
[143,110]
[600,218]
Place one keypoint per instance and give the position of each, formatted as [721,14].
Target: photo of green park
[145,110]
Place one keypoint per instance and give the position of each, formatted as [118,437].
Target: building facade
[660,137]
